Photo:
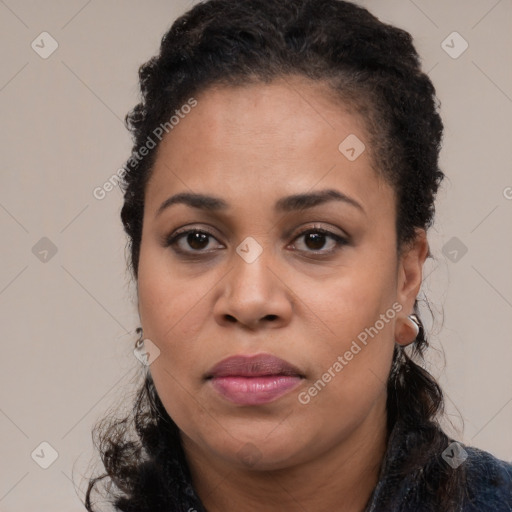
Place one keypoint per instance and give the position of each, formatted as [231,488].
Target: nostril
[231,318]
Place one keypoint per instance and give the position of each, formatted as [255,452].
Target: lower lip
[254,390]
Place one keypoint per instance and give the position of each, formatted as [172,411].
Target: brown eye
[197,240]
[190,241]
[315,240]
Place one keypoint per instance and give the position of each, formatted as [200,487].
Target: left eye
[315,240]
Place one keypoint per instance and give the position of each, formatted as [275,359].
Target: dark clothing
[486,486]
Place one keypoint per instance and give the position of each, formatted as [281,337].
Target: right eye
[195,239]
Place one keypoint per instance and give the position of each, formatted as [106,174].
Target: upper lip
[252,366]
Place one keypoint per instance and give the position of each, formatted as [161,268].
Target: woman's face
[314,281]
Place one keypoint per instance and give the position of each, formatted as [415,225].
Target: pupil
[197,240]
[315,238]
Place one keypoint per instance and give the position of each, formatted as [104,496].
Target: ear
[410,270]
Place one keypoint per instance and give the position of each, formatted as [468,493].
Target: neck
[341,479]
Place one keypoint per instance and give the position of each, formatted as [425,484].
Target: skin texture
[252,145]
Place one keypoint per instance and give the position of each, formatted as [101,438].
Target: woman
[282,181]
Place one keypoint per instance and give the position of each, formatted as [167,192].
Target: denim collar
[485,487]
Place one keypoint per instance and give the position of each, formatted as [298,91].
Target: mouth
[253,380]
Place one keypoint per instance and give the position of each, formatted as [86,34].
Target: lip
[253,379]
[258,365]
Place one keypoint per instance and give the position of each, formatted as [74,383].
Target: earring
[409,330]
[146,351]
[140,350]
[140,340]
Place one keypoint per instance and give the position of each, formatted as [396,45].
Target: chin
[261,451]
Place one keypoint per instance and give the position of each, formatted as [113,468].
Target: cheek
[167,300]
[171,312]
[351,358]
[353,298]
[357,325]
[175,311]
[355,313]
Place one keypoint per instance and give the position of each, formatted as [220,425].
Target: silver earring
[140,340]
[140,351]
[146,351]
[412,329]
[415,322]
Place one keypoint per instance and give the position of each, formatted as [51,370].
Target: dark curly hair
[373,69]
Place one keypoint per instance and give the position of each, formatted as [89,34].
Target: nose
[254,295]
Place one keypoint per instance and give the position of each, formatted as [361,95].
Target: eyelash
[340,241]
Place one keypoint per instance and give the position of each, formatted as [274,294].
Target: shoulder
[488,481]
[431,473]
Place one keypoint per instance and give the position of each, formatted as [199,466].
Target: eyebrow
[285,204]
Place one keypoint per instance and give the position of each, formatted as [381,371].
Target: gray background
[68,319]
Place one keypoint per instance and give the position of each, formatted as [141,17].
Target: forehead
[264,141]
